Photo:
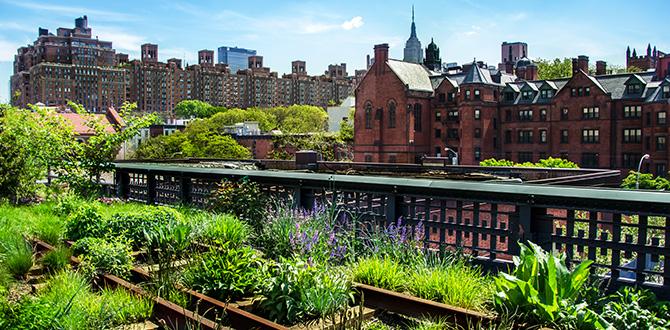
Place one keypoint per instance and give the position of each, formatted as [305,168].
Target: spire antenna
[412,13]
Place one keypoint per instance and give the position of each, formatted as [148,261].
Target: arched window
[392,107]
[368,115]
[417,117]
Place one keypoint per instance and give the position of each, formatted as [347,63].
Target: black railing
[624,232]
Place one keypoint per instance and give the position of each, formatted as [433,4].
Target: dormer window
[509,96]
[633,89]
[666,92]
[477,94]
[546,93]
[526,95]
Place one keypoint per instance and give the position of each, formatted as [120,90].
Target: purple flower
[420,231]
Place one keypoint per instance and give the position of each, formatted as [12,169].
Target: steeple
[413,50]
[433,60]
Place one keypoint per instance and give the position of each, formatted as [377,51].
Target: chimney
[583,63]
[601,68]
[381,56]
[531,72]
[509,67]
[575,66]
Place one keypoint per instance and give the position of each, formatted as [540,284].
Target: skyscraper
[413,50]
[236,58]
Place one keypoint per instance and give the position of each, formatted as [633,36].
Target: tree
[346,132]
[558,68]
[300,119]
[195,109]
[266,121]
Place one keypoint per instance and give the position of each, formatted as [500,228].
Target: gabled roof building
[406,111]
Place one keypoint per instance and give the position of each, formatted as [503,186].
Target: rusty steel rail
[412,306]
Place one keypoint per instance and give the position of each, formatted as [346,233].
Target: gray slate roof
[415,76]
[477,76]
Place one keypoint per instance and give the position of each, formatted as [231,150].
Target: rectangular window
[525,115]
[509,96]
[632,111]
[477,95]
[590,159]
[526,95]
[632,135]
[438,133]
[450,97]
[564,136]
[543,136]
[590,136]
[630,160]
[564,114]
[661,118]
[438,116]
[573,92]
[661,170]
[452,115]
[477,114]
[467,94]
[525,156]
[478,133]
[543,114]
[441,97]
[525,136]
[587,91]
[591,113]
[452,133]
[666,92]
[661,143]
[478,153]
[633,89]
[508,136]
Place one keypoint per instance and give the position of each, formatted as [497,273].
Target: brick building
[405,111]
[74,66]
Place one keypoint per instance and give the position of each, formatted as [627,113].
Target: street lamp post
[447,149]
[639,167]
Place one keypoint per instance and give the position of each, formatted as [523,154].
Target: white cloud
[353,23]
[7,50]
[121,40]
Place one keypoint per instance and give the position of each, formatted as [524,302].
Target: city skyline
[287,31]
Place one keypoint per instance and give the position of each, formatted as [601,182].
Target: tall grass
[18,258]
[223,228]
[382,272]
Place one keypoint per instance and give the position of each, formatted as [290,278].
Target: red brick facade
[606,121]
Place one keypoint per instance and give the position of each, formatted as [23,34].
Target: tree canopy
[554,69]
[195,109]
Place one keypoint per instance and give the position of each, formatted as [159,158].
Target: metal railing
[624,232]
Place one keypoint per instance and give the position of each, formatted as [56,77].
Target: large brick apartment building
[72,65]
[405,111]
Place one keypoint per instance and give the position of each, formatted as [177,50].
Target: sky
[345,31]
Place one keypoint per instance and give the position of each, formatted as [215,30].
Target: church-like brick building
[408,110]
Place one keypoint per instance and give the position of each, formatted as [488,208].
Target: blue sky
[325,32]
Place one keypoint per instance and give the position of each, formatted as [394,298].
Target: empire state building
[413,50]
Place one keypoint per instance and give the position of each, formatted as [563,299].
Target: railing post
[185,185]
[534,226]
[393,208]
[122,179]
[151,188]
[304,197]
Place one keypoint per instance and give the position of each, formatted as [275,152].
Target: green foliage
[18,257]
[106,256]
[67,302]
[275,237]
[266,120]
[636,309]
[647,181]
[383,273]
[346,132]
[167,242]
[456,284]
[224,228]
[228,273]
[56,260]
[300,118]
[558,68]
[324,143]
[195,109]
[297,292]
[49,229]
[242,198]
[550,162]
[541,287]
[134,225]
[86,221]
[201,143]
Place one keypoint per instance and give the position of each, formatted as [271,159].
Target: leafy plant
[243,199]
[223,228]
[57,259]
[103,256]
[228,273]
[134,225]
[550,162]
[382,272]
[542,287]
[646,181]
[631,308]
[166,243]
[86,221]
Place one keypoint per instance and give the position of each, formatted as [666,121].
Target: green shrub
[631,308]
[67,204]
[223,228]
[18,258]
[380,272]
[113,257]
[133,225]
[647,181]
[82,246]
[297,292]
[86,221]
[243,199]
[274,238]
[550,162]
[496,162]
[57,259]
[457,284]
[167,243]
[228,273]
[543,289]
[50,230]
